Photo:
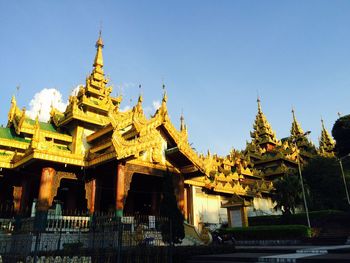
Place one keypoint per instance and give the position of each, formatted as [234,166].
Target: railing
[67,223]
[6,224]
[97,235]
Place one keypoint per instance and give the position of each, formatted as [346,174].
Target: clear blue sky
[214,56]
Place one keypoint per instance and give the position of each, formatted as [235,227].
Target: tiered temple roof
[326,143]
[263,136]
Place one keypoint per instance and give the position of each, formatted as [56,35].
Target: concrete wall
[207,208]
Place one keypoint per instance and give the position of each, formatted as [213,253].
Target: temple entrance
[71,195]
[6,198]
[144,195]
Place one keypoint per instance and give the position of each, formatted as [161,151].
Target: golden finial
[296,129]
[322,122]
[259,105]
[98,63]
[13,100]
[182,122]
[99,41]
[293,113]
[140,99]
[165,97]
[17,90]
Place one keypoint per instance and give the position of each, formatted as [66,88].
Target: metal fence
[88,238]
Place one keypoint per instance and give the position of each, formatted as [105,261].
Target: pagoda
[326,143]
[272,157]
[94,157]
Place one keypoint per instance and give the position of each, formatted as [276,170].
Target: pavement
[299,254]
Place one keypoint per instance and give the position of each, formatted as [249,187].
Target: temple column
[97,201]
[45,197]
[180,201]
[154,201]
[90,195]
[17,197]
[189,197]
[185,204]
[25,205]
[120,189]
[244,214]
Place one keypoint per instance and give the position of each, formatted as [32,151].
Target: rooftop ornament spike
[182,123]
[259,105]
[296,129]
[165,97]
[98,63]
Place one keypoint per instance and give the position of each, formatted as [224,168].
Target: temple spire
[263,135]
[296,129]
[98,62]
[259,105]
[97,78]
[326,142]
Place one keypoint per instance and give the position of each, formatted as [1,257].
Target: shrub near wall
[280,232]
[317,218]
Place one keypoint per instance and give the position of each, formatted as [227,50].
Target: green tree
[287,193]
[324,179]
[173,231]
[341,134]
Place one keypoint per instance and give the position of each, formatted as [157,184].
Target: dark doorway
[144,195]
[6,198]
[71,195]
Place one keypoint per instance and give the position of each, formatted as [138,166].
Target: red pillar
[120,189]
[90,195]
[26,188]
[17,197]
[45,197]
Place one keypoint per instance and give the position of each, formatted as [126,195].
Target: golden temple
[95,157]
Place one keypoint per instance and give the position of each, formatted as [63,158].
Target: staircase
[192,237]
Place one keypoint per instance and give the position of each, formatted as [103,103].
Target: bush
[282,232]
[317,218]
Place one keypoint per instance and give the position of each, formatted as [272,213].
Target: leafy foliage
[324,178]
[287,193]
[318,219]
[341,134]
[174,230]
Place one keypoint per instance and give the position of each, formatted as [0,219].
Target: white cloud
[120,88]
[42,101]
[126,108]
[75,91]
[156,104]
[150,110]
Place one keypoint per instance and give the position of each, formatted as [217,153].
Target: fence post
[40,221]
[37,242]
[60,233]
[120,239]
[92,228]
[171,241]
